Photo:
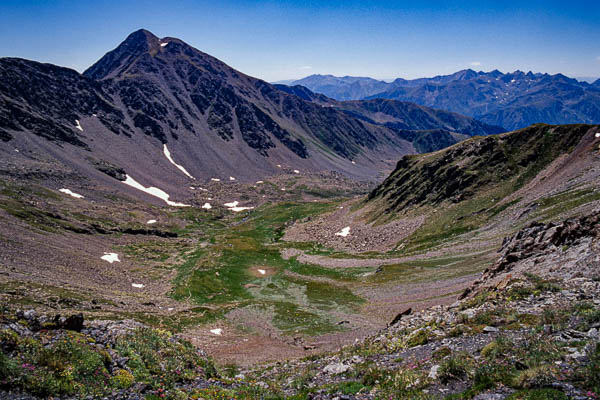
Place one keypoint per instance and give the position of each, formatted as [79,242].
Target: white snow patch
[17,150]
[513,81]
[137,285]
[217,331]
[192,188]
[344,232]
[164,44]
[110,257]
[238,209]
[152,191]
[259,182]
[151,221]
[215,179]
[278,165]
[597,134]
[170,309]
[233,206]
[168,155]
[296,171]
[283,189]
[231,178]
[70,193]
[261,271]
[207,206]
[78,125]
[353,162]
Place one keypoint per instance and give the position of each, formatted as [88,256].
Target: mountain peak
[135,45]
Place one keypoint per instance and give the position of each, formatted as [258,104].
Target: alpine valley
[173,228]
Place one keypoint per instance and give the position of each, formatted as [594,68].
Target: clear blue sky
[276,40]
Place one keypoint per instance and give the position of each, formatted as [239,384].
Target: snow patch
[168,155]
[597,134]
[344,232]
[259,182]
[231,178]
[207,206]
[78,125]
[296,171]
[238,209]
[278,165]
[137,285]
[110,257]
[215,179]
[164,44]
[217,331]
[353,162]
[70,193]
[151,221]
[152,191]
[261,271]
[233,206]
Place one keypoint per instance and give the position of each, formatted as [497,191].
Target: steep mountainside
[428,129]
[151,97]
[512,100]
[47,100]
[474,166]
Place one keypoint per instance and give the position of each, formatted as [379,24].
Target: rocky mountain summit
[150,94]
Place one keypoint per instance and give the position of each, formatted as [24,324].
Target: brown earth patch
[261,271]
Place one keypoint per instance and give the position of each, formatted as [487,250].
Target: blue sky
[276,40]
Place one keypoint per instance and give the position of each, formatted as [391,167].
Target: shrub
[122,379]
[159,360]
[418,338]
[543,285]
[230,370]
[455,367]
[498,349]
[592,372]
[457,331]
[537,377]
[441,353]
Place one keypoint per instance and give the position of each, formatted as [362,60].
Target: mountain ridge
[217,122]
[513,100]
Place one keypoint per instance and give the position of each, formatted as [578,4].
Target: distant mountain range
[150,97]
[426,128]
[511,100]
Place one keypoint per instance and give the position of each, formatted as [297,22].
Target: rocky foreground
[529,329]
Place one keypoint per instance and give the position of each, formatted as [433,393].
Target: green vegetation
[463,187]
[242,267]
[71,365]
